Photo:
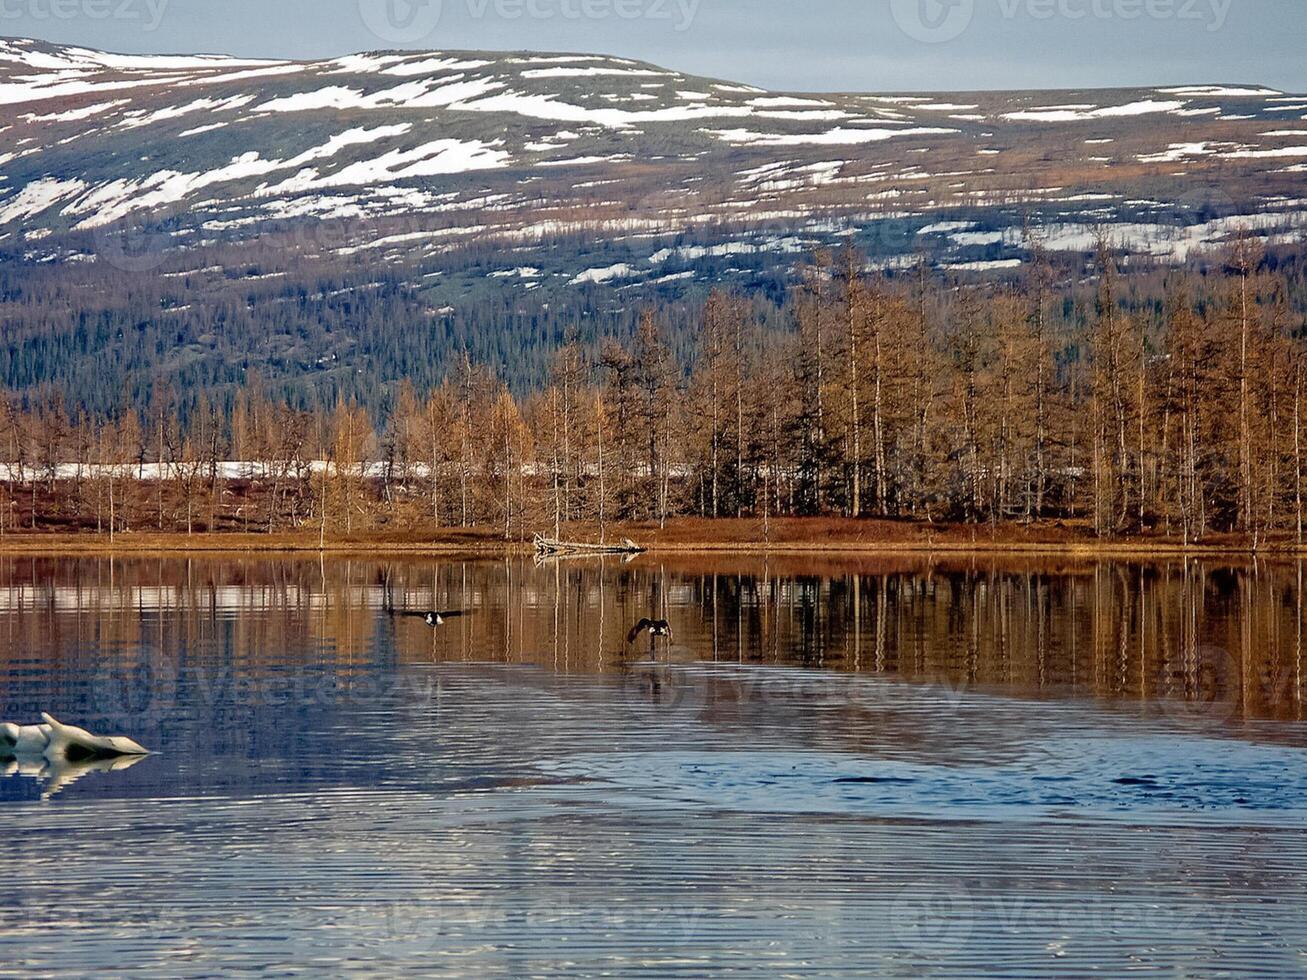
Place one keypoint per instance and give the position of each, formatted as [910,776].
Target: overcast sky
[831,45]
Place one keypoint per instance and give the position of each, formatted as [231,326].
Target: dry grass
[830,536]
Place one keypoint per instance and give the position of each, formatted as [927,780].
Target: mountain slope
[134,159]
[338,225]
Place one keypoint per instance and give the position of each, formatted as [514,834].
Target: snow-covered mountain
[142,161]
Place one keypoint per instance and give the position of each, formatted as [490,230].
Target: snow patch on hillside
[837,136]
[1057,114]
[37,196]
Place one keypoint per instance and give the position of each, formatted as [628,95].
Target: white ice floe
[56,741]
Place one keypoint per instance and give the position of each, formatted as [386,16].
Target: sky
[811,45]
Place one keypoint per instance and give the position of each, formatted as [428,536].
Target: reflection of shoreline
[1197,640]
[59,774]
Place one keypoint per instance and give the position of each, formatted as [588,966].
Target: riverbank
[742,536]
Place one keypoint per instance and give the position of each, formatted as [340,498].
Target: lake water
[893,767]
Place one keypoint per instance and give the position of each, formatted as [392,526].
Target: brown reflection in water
[1199,639]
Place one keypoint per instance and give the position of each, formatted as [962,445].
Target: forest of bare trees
[910,398]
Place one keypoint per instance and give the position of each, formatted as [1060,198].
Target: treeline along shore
[908,410]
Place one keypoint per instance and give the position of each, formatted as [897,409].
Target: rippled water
[896,768]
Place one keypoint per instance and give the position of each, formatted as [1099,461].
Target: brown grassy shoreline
[686,536]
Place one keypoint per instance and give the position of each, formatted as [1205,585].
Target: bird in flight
[432,618]
[656,627]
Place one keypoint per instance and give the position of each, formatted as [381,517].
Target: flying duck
[432,618]
[656,627]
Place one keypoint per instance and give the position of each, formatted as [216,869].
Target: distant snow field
[454,147]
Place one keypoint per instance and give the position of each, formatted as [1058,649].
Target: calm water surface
[893,768]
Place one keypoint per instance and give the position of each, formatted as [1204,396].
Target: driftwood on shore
[552,548]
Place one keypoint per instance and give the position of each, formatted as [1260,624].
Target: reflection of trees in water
[1197,638]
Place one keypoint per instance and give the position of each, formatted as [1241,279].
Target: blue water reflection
[1021,772]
